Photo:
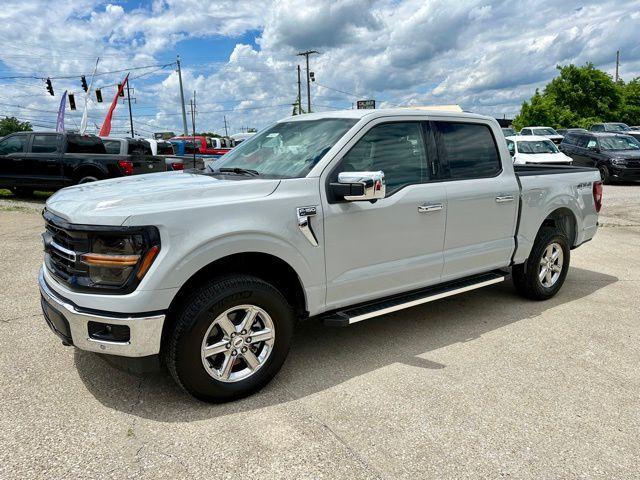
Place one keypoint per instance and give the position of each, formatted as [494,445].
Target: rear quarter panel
[543,194]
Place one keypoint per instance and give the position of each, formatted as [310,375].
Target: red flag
[106,126]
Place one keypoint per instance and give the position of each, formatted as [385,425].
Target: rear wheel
[87,179]
[544,272]
[230,339]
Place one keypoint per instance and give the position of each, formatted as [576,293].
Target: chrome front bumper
[72,325]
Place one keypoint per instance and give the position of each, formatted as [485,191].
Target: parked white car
[535,150]
[547,132]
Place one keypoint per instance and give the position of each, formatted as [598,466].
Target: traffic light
[312,76]
[121,90]
[99,95]
[49,87]
[84,83]
[72,101]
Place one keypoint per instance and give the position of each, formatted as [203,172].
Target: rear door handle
[504,198]
[434,207]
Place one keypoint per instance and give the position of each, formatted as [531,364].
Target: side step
[407,300]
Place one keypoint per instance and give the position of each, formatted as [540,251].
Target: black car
[47,161]
[617,156]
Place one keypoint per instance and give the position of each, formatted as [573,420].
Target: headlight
[116,260]
[619,161]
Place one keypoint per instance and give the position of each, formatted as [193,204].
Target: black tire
[605,176]
[87,179]
[22,192]
[182,351]
[525,276]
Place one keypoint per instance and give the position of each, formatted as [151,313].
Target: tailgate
[147,164]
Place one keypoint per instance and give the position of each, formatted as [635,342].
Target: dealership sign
[367,104]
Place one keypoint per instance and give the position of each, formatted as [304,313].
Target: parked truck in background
[49,161]
[341,216]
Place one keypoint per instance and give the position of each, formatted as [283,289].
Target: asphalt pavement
[482,385]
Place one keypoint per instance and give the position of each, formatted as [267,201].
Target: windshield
[544,131]
[617,127]
[538,146]
[288,149]
[619,143]
[508,132]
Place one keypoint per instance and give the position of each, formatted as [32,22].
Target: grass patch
[15,208]
[37,195]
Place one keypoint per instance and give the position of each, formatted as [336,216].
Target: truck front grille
[63,248]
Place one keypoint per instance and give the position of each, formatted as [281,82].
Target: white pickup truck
[341,216]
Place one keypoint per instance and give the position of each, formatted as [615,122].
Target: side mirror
[358,186]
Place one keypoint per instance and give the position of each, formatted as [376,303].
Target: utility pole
[226,134]
[193,125]
[306,55]
[299,94]
[130,114]
[617,65]
[184,112]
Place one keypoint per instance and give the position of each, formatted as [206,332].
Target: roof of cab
[382,112]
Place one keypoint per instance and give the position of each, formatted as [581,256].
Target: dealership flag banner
[60,120]
[106,126]
[83,122]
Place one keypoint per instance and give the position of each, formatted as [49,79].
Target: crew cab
[616,156]
[547,132]
[337,216]
[532,150]
[48,161]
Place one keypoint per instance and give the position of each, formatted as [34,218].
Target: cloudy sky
[240,56]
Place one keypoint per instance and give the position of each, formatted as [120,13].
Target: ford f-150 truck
[340,216]
[47,161]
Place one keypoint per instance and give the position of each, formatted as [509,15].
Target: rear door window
[85,144]
[467,150]
[44,143]
[112,146]
[139,147]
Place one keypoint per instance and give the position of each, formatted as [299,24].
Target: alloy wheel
[238,343]
[551,265]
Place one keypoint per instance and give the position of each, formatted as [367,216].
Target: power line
[66,77]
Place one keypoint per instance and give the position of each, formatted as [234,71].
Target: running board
[417,297]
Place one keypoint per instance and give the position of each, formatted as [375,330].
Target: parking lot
[482,385]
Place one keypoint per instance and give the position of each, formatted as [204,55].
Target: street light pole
[184,111]
[306,55]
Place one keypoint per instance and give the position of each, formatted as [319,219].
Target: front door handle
[430,208]
[504,198]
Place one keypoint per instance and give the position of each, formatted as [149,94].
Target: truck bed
[529,170]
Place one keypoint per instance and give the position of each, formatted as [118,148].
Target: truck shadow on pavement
[322,357]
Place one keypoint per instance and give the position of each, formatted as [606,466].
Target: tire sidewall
[540,247]
[189,368]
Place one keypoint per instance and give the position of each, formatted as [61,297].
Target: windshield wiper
[238,171]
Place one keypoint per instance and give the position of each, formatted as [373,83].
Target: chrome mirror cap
[373,184]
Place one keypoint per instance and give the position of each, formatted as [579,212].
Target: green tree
[12,124]
[578,96]
[630,111]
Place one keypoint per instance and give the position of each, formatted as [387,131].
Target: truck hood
[543,158]
[111,202]
[630,154]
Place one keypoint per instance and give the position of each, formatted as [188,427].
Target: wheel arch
[265,266]
[564,219]
[85,169]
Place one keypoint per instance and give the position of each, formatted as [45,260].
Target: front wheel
[544,272]
[230,339]
[605,176]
